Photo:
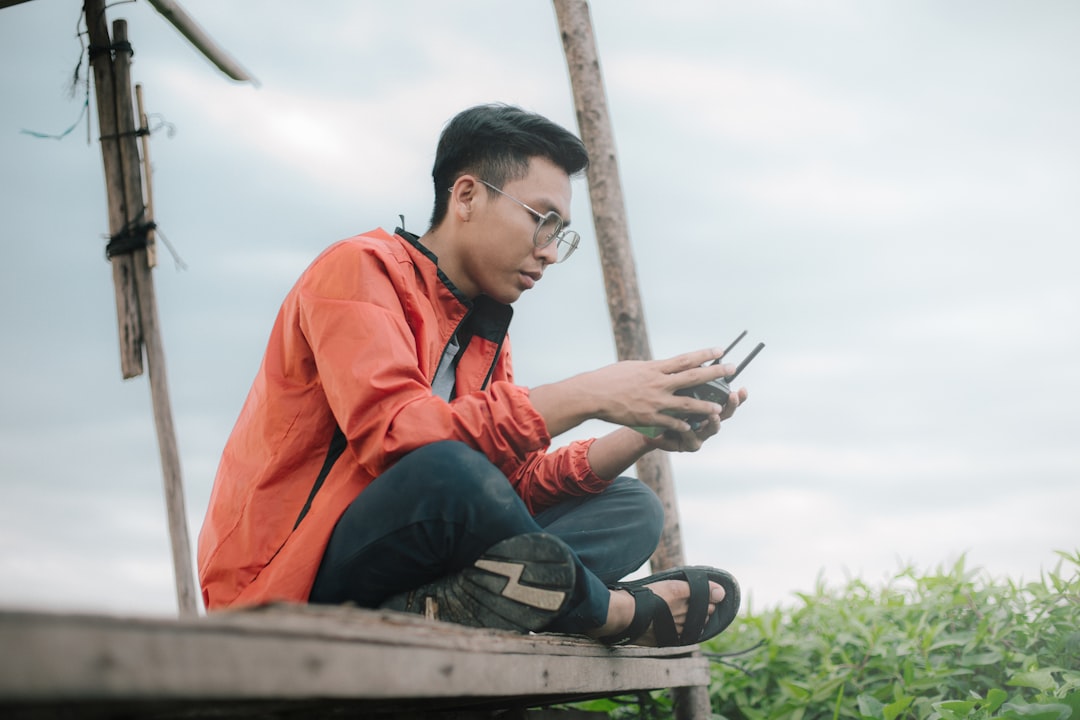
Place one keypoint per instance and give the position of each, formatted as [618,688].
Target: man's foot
[677,607]
[521,584]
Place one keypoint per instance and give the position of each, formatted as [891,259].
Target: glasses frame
[566,240]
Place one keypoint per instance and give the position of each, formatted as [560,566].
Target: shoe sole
[521,584]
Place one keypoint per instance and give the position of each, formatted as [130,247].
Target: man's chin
[506,297]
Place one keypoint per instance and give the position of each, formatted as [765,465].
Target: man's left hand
[692,440]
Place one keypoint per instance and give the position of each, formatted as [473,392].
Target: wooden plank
[297,654]
[391,628]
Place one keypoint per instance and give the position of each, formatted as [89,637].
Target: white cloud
[825,190]
[863,463]
[1042,317]
[721,100]
[277,265]
[342,146]
[775,540]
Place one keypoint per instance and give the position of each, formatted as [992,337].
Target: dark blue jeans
[441,506]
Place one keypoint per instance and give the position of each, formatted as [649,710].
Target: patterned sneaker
[521,583]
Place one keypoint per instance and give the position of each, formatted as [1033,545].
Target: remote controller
[717,391]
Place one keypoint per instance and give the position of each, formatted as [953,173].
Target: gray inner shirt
[443,384]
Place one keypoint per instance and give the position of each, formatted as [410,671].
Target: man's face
[499,258]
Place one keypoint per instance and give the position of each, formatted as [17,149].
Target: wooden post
[147,175]
[620,275]
[613,239]
[127,215]
[127,311]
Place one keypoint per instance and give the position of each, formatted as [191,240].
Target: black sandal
[650,609]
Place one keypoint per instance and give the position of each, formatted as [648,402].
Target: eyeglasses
[549,229]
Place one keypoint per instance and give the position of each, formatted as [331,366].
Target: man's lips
[530,278]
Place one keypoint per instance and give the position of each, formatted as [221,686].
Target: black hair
[496,142]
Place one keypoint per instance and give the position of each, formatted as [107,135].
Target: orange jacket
[344,390]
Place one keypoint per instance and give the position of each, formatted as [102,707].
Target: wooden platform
[301,661]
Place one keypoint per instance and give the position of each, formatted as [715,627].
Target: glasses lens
[547,229]
[568,243]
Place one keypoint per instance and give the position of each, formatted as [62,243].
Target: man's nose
[549,253]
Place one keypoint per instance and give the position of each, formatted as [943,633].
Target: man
[385,458]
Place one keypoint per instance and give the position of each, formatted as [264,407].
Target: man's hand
[635,393]
[642,393]
[692,440]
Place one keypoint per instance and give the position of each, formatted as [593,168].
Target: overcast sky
[887,194]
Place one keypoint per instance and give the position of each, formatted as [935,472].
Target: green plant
[951,645]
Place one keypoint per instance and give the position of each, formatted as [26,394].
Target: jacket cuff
[588,481]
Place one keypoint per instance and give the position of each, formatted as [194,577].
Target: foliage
[950,645]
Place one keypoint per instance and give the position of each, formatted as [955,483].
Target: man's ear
[463,196]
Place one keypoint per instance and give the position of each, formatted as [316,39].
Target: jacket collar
[489,319]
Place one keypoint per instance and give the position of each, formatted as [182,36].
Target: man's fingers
[690,360]
[734,401]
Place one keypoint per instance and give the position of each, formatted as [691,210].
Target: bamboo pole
[127,213]
[123,269]
[190,29]
[620,276]
[148,176]
[155,351]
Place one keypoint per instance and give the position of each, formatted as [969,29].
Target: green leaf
[1073,701]
[955,709]
[992,657]
[797,691]
[1038,679]
[995,698]
[839,700]
[871,707]
[1035,711]
[893,709]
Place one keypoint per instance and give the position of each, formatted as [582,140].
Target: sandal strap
[649,609]
[663,623]
[638,624]
[697,613]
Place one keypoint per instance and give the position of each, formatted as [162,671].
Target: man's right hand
[634,393]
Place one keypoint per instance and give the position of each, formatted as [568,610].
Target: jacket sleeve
[546,478]
[353,314]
